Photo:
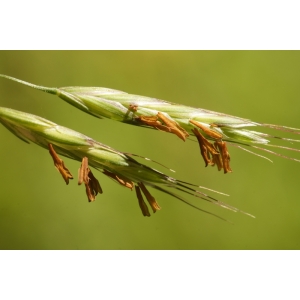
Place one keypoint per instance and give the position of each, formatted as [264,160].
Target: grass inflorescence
[213,131]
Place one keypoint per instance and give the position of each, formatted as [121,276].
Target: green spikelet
[212,130]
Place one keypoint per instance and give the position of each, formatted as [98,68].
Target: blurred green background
[37,209]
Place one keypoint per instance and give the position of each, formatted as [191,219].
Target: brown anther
[218,150]
[217,160]
[210,132]
[163,123]
[173,126]
[207,149]
[59,165]
[142,204]
[120,179]
[92,185]
[83,171]
[225,156]
[154,205]
[150,121]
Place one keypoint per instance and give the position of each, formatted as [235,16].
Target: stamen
[168,126]
[216,159]
[92,185]
[207,149]
[220,158]
[225,156]
[173,126]
[154,205]
[83,171]
[142,203]
[59,165]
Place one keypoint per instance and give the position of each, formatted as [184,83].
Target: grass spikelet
[212,130]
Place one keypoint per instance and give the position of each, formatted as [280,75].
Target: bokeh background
[37,209]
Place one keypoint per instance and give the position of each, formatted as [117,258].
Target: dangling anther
[142,204]
[154,205]
[92,185]
[218,151]
[207,149]
[225,155]
[59,165]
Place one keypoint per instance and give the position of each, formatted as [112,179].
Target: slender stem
[37,87]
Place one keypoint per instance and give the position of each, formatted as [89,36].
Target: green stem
[53,91]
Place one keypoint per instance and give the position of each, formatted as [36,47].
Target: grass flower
[121,167]
[212,130]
